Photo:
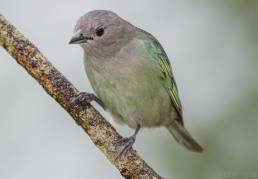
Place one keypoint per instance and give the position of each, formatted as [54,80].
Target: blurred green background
[213,47]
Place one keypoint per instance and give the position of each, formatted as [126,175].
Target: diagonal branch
[58,87]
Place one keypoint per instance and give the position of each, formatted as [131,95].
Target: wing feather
[158,54]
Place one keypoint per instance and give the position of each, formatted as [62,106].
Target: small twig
[58,87]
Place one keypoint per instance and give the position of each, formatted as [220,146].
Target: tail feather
[183,137]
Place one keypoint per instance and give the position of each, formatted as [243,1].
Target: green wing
[155,49]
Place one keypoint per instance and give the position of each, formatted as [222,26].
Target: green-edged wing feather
[156,51]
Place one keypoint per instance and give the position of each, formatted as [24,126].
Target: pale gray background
[213,47]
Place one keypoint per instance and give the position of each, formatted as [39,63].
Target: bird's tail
[183,137]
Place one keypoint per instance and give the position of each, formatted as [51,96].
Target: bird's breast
[130,88]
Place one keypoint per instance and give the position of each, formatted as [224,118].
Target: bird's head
[101,32]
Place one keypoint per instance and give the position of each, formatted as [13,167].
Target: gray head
[101,32]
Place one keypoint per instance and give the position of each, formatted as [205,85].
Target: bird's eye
[100,31]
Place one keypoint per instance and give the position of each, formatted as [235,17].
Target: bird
[131,76]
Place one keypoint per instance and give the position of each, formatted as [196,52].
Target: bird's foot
[84,98]
[127,145]
[127,142]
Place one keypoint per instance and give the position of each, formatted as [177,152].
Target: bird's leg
[128,142]
[83,98]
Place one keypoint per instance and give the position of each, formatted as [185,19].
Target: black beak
[79,39]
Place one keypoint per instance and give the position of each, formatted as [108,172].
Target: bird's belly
[133,101]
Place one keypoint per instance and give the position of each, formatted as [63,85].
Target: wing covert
[158,54]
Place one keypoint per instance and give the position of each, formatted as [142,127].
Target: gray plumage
[131,74]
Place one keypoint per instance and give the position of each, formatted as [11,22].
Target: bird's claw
[128,144]
[85,98]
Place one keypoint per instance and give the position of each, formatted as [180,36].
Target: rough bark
[58,87]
